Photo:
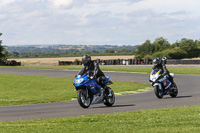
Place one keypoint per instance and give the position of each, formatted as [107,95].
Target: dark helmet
[86,59]
[156,61]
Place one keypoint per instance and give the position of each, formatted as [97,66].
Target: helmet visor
[85,61]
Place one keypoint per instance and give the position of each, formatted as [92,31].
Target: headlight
[78,81]
[154,79]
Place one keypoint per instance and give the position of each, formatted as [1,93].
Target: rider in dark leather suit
[158,64]
[92,66]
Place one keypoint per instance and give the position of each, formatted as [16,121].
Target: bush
[176,53]
[148,56]
[160,54]
[137,56]
[110,51]
[194,53]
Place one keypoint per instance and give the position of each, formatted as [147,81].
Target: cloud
[97,21]
[2,16]
[105,1]
[5,2]
[168,5]
[61,3]
[83,20]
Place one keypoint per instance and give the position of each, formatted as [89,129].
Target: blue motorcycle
[90,92]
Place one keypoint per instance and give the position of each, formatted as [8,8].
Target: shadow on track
[178,97]
[114,106]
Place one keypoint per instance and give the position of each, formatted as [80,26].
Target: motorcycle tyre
[106,102]
[172,93]
[157,92]
[79,95]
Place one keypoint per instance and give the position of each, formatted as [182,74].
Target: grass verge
[20,89]
[173,120]
[175,70]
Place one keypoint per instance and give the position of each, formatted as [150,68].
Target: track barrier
[134,61]
[10,63]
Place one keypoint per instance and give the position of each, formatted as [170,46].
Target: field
[168,120]
[54,61]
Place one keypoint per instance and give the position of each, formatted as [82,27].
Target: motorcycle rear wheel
[158,92]
[110,97]
[82,99]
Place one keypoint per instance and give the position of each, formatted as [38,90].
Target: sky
[97,22]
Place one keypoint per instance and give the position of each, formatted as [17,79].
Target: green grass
[169,120]
[20,89]
[176,70]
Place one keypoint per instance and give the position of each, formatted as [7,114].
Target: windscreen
[154,71]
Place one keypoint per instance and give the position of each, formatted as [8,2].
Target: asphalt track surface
[189,94]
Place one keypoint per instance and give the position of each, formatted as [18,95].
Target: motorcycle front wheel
[158,92]
[109,97]
[84,99]
[174,91]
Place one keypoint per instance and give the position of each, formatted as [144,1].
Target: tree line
[185,48]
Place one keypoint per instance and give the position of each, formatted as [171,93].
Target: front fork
[164,91]
[106,90]
[159,85]
[86,93]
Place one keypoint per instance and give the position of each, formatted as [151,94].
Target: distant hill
[67,50]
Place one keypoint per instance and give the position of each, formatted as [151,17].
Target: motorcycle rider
[159,65]
[92,66]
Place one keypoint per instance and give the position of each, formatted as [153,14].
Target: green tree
[198,43]
[176,53]
[147,48]
[160,44]
[173,53]
[160,55]
[187,44]
[144,49]
[1,49]
[190,46]
[109,51]
[176,44]
[5,53]
[13,54]
[122,50]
